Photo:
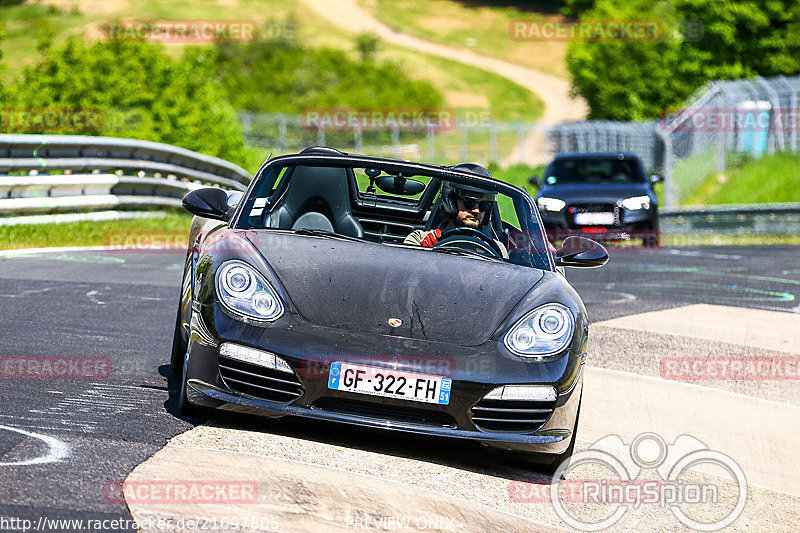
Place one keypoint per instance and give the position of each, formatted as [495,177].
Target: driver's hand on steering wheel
[431,238]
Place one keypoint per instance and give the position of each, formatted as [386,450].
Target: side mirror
[534,180]
[400,185]
[208,202]
[581,252]
[656,178]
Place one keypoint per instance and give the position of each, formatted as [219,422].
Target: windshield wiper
[324,233]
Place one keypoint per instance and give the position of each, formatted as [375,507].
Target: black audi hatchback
[605,195]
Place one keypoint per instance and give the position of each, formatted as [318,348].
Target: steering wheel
[454,237]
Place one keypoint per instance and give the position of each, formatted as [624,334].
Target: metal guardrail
[40,192]
[131,178]
[752,219]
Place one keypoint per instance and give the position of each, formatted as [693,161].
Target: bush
[280,76]
[141,92]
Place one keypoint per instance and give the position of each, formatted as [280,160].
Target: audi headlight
[637,202]
[544,331]
[551,204]
[243,290]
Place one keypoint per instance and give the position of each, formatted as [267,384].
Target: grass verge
[173,228]
[87,233]
[772,178]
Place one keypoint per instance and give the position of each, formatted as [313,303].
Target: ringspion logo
[623,487]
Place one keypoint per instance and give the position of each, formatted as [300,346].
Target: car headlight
[544,331]
[551,204]
[243,290]
[637,202]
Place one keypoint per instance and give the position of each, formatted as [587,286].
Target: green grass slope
[772,178]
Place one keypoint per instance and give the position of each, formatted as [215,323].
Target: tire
[186,409]
[652,238]
[178,349]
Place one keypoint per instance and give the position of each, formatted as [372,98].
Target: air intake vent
[258,381]
[384,231]
[511,416]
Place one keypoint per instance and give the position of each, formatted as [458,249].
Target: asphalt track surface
[64,442]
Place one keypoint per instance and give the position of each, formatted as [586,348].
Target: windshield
[390,205]
[599,170]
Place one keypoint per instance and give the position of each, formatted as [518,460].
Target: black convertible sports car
[300,298]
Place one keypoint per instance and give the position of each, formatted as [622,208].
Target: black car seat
[316,198]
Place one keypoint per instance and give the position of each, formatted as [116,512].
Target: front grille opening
[393,413]
[259,382]
[511,416]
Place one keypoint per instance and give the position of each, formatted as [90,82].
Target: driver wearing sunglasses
[463,206]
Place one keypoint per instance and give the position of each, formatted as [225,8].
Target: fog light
[539,393]
[254,357]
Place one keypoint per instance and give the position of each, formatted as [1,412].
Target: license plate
[390,383]
[594,219]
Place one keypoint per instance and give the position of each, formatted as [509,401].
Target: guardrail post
[396,140]
[358,139]
[431,144]
[464,150]
[671,192]
[320,135]
[282,132]
[493,154]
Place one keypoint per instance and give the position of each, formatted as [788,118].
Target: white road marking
[92,295]
[57,451]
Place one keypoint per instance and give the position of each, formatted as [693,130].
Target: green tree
[703,40]
[140,91]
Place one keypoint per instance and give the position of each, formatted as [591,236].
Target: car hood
[360,286]
[594,192]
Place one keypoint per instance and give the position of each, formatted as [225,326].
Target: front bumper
[474,374]
[627,223]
